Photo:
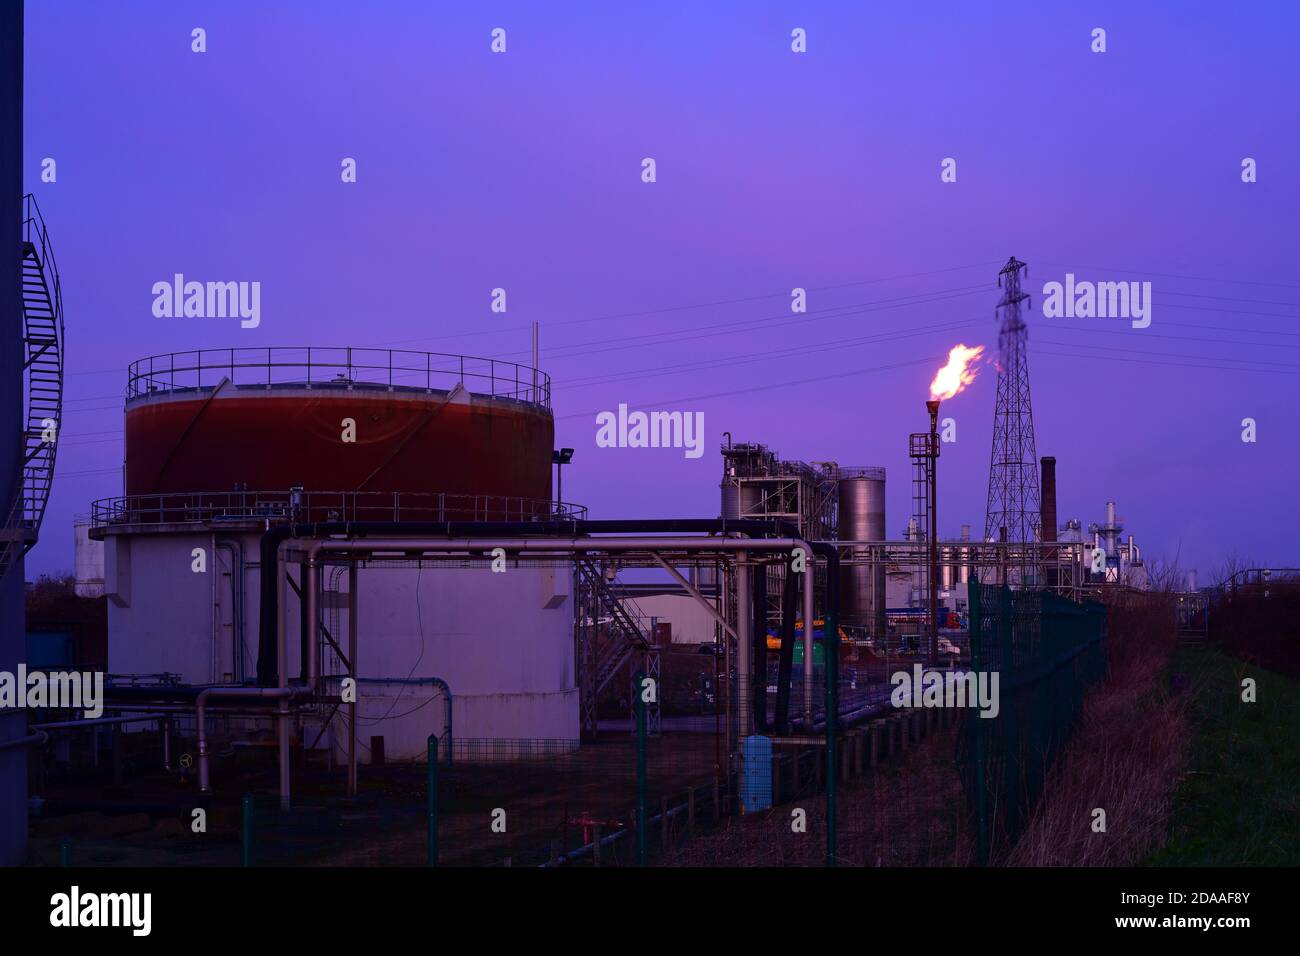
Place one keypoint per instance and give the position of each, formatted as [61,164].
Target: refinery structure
[342,552]
[339,558]
[353,557]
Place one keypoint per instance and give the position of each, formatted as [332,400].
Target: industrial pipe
[272,575]
[650,543]
[744,653]
[37,739]
[574,544]
[282,694]
[236,549]
[758,648]
[932,533]
[92,722]
[352,666]
[785,663]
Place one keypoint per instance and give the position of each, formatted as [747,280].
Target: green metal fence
[1046,652]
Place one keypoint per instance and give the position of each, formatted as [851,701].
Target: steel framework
[1012,513]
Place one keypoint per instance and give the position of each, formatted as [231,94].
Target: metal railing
[35,232]
[347,368]
[207,506]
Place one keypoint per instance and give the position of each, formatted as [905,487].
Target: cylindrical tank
[739,501]
[347,420]
[862,518]
[221,445]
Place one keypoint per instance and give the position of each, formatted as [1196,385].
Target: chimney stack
[1047,517]
[1047,520]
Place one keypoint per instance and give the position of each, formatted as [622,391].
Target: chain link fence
[1047,652]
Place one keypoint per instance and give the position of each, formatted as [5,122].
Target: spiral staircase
[43,347]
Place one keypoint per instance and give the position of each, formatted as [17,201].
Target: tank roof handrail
[335,367]
[293,504]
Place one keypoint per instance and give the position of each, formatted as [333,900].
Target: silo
[222,445]
[862,518]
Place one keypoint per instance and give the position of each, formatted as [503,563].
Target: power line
[725,328]
[636,374]
[764,388]
[1242,364]
[1140,361]
[1168,275]
[1143,334]
[93,471]
[1225,298]
[702,305]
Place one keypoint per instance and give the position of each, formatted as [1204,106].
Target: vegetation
[1125,755]
[1239,800]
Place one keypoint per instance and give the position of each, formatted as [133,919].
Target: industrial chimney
[1047,516]
[1047,520]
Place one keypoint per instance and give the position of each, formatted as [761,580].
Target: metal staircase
[43,345]
[626,633]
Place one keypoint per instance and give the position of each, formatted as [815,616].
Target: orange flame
[958,373]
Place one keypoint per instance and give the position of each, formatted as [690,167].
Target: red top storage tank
[371,424]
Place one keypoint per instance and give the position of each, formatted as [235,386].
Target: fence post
[639,702]
[432,808]
[246,830]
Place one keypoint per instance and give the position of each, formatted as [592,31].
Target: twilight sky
[775,170]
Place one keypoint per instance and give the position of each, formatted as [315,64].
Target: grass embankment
[1125,754]
[1239,800]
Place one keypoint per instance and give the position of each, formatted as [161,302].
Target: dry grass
[1125,757]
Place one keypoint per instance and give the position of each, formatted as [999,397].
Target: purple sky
[775,170]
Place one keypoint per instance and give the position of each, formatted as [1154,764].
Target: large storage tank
[222,445]
[862,518]
[357,420]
